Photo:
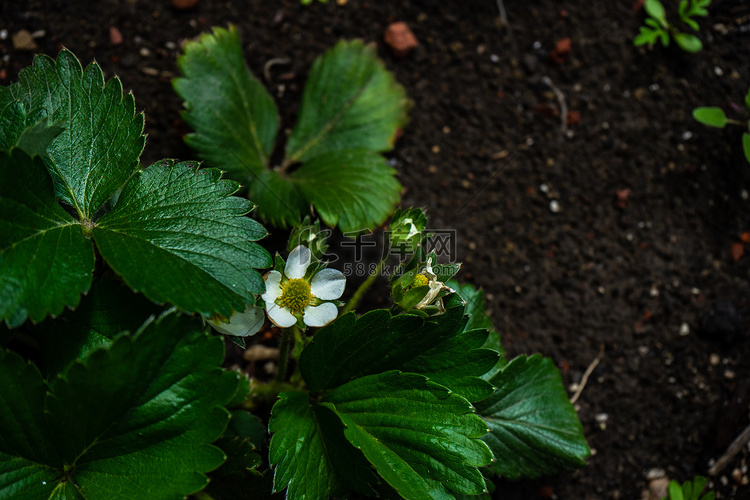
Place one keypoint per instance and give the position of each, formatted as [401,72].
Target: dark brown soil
[652,278]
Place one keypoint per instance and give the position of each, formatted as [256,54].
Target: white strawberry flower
[290,296]
[240,324]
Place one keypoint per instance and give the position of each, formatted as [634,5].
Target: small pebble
[658,488]
[714,359]
[494,58]
[718,71]
[684,329]
[655,473]
[737,475]
[22,40]
[115,37]
[554,206]
[687,135]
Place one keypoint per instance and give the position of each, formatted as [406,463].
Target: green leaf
[352,347]
[682,8]
[103,137]
[279,202]
[107,309]
[36,139]
[178,235]
[311,457]
[746,145]
[648,36]
[132,421]
[655,9]
[478,318]
[237,477]
[12,123]
[458,362]
[534,429]
[45,261]
[688,42]
[694,25]
[354,190]
[234,118]
[421,438]
[711,116]
[350,102]
[675,491]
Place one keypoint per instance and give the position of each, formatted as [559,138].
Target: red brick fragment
[561,51]
[399,37]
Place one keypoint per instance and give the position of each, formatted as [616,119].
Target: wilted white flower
[429,278]
[289,296]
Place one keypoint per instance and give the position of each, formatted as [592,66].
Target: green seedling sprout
[716,117]
[689,491]
[658,28]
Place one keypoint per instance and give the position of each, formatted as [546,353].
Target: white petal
[328,284]
[320,315]
[297,263]
[241,324]
[280,316]
[273,287]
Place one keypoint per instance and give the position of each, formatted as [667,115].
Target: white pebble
[554,206]
[684,329]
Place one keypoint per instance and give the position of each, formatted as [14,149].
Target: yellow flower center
[295,295]
[420,280]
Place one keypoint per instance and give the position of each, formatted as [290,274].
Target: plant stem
[283,353]
[363,287]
